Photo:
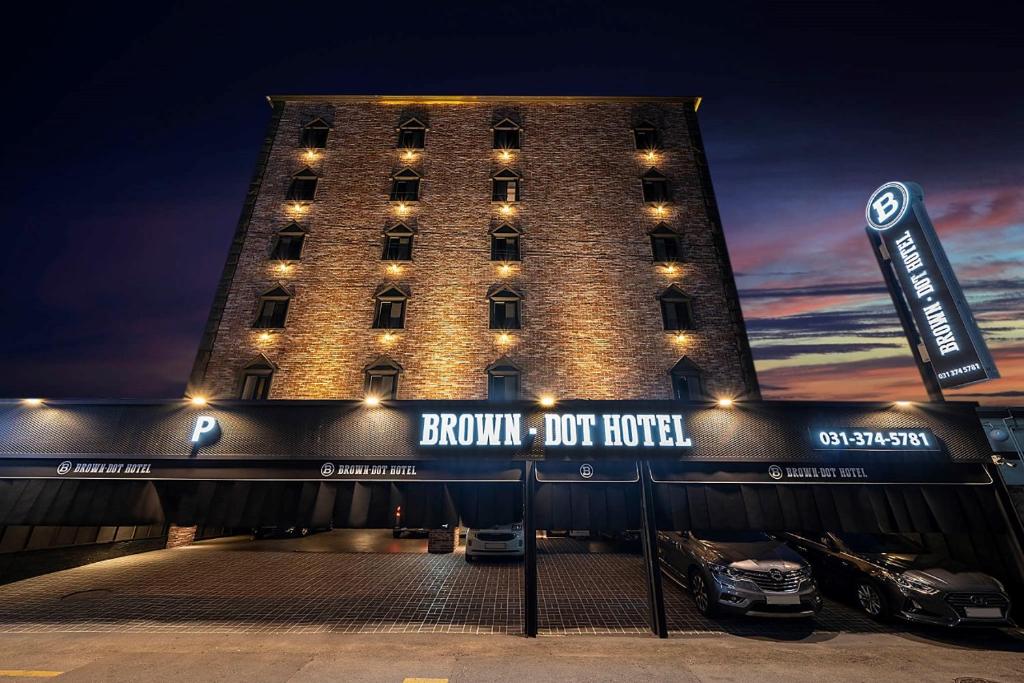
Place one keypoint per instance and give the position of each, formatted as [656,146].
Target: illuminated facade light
[388,337]
[371,401]
[679,338]
[547,401]
[903,404]
[506,209]
[264,336]
[32,402]
[505,269]
[297,208]
[651,156]
[394,269]
[198,400]
[660,209]
[670,268]
[725,402]
[403,209]
[506,155]
[311,155]
[504,338]
[409,155]
[283,267]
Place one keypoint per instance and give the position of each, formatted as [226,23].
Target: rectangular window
[398,249]
[506,139]
[677,315]
[645,138]
[314,138]
[666,248]
[503,388]
[302,189]
[411,138]
[256,386]
[288,248]
[656,190]
[687,388]
[405,190]
[505,248]
[504,315]
[505,191]
[382,386]
[272,313]
[390,315]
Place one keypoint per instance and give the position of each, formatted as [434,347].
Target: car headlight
[725,571]
[907,583]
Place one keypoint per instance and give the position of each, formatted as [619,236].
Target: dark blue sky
[131,132]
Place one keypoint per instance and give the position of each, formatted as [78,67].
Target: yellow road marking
[28,673]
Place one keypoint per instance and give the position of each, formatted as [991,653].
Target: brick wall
[591,321]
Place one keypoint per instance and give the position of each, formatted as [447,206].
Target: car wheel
[701,593]
[871,600]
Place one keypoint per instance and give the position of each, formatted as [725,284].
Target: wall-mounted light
[402,209]
[311,155]
[506,209]
[724,402]
[264,337]
[547,401]
[283,267]
[198,401]
[371,401]
[409,155]
[505,269]
[32,402]
[506,155]
[651,156]
[903,404]
[394,269]
[660,209]
[670,268]
[679,338]
[504,338]
[388,337]
[297,208]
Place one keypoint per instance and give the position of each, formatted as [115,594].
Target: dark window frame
[273,320]
[666,244]
[314,134]
[401,183]
[303,186]
[500,183]
[670,301]
[384,317]
[412,134]
[646,137]
[499,378]
[381,377]
[507,135]
[256,379]
[506,233]
[296,237]
[505,310]
[394,250]
[687,381]
[655,187]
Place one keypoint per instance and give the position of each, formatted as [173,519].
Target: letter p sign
[887,205]
[206,432]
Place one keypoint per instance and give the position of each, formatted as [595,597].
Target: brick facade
[591,321]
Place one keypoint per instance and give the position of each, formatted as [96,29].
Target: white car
[496,541]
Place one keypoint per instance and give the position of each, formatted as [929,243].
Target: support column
[529,554]
[649,534]
[178,536]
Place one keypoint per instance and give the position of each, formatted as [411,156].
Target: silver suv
[739,572]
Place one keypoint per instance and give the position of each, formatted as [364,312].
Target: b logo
[775,472]
[64,467]
[887,206]
[586,470]
[327,469]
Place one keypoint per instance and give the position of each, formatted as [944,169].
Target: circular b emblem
[775,574]
[775,472]
[586,470]
[64,467]
[327,469]
[887,206]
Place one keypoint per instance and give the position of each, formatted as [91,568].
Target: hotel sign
[569,430]
[898,222]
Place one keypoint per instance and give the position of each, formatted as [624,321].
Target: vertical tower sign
[924,283]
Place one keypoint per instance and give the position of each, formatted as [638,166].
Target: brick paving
[243,591]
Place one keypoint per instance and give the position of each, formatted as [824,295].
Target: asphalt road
[401,657]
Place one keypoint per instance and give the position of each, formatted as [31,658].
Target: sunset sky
[132,132]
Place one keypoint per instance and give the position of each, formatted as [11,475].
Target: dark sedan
[891,575]
[739,573]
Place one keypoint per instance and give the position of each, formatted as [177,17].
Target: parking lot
[368,582]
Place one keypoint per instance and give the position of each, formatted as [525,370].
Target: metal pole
[931,383]
[529,555]
[655,596]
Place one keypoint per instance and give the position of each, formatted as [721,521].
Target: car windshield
[732,536]
[880,543]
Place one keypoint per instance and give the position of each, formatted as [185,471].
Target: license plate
[494,546]
[782,599]
[983,612]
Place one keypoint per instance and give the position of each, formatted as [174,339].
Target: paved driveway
[366,582]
